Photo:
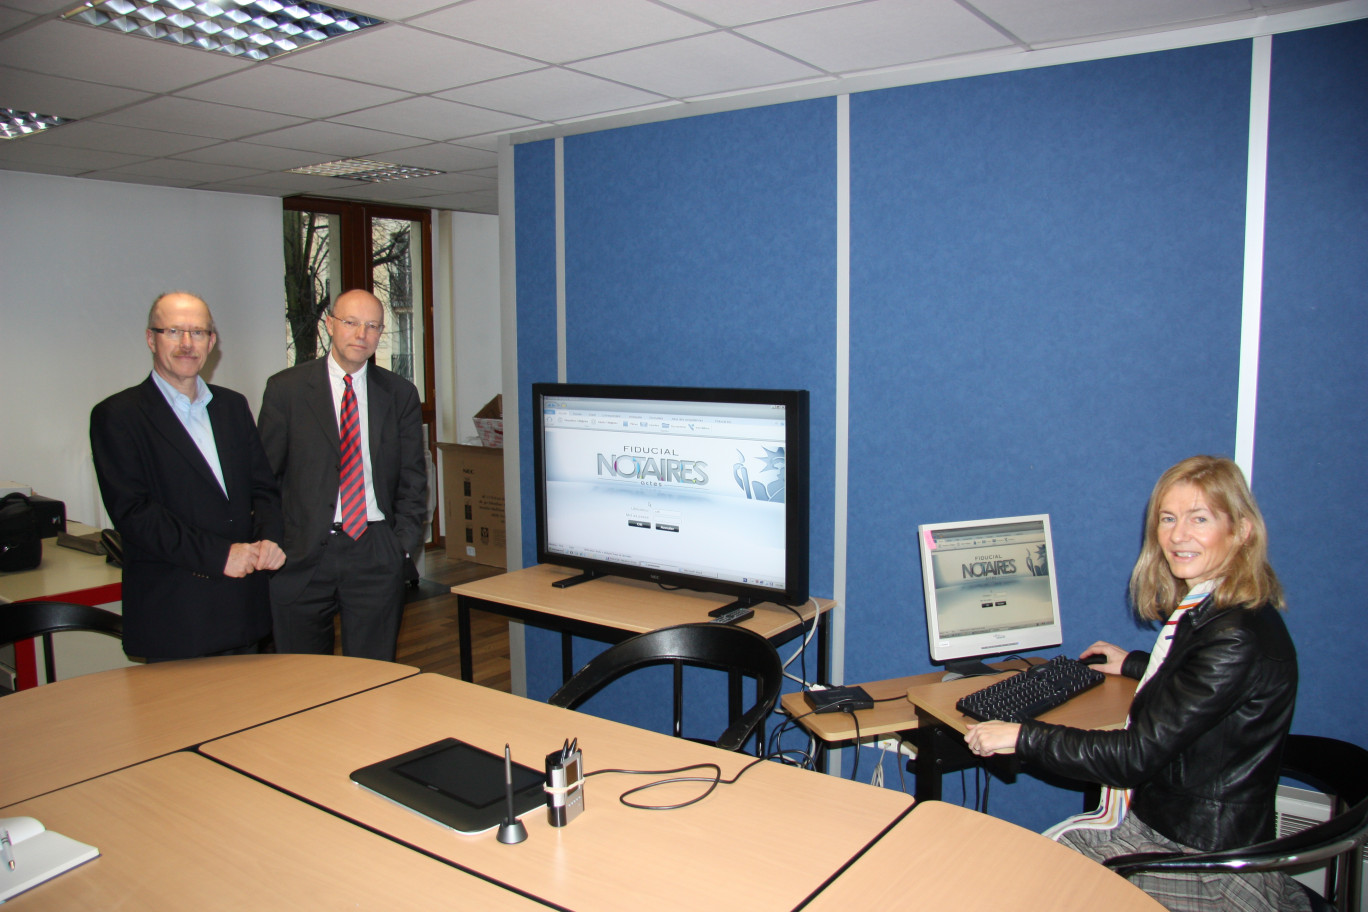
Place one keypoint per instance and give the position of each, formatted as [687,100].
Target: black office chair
[1335,767]
[719,646]
[26,620]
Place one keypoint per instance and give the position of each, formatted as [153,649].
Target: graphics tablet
[455,784]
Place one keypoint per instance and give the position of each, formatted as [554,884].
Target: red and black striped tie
[353,488]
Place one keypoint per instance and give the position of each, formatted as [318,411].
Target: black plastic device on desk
[1036,690]
[733,615]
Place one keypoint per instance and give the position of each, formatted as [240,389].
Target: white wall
[80,262]
[475,332]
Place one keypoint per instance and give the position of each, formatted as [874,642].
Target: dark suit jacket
[299,429]
[177,525]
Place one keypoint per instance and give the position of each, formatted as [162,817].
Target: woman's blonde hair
[1247,580]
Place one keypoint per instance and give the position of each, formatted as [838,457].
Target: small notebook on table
[38,854]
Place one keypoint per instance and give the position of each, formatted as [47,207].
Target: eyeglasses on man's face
[175,335]
[371,328]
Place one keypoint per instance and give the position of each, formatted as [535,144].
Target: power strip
[895,746]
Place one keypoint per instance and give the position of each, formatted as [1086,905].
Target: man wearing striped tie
[345,440]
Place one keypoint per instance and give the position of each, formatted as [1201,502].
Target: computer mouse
[1096,658]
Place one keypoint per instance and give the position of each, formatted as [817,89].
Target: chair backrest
[719,646]
[26,620]
[1336,767]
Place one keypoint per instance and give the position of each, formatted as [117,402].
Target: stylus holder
[564,786]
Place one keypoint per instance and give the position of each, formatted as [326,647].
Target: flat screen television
[990,589]
[695,488]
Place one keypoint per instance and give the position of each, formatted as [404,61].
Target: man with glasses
[186,483]
[345,440]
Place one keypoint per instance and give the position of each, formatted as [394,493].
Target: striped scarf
[1112,808]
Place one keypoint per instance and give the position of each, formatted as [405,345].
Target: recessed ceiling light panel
[253,29]
[362,169]
[14,124]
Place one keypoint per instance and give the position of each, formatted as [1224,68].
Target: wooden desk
[613,609]
[67,575]
[1103,707]
[182,832]
[71,730]
[739,848]
[941,856]
[929,709]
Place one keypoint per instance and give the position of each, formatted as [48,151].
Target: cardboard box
[489,422]
[473,497]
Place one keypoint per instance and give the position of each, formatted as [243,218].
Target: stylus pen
[6,849]
[508,782]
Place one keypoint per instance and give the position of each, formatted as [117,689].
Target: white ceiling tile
[432,118]
[251,155]
[481,201]
[556,31]
[392,10]
[41,7]
[552,94]
[334,140]
[90,134]
[1048,21]
[451,183]
[400,57]
[446,157]
[11,18]
[282,184]
[41,167]
[878,34]
[196,172]
[200,118]
[64,97]
[704,65]
[396,190]
[149,179]
[742,12]
[26,150]
[96,55]
[275,88]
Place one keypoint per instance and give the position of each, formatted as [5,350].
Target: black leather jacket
[1205,740]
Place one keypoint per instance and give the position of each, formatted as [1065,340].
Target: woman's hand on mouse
[1115,656]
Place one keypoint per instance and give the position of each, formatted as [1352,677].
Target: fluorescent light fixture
[251,29]
[14,124]
[361,169]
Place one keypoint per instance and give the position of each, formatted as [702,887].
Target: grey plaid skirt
[1266,891]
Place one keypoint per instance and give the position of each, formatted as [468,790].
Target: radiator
[1297,809]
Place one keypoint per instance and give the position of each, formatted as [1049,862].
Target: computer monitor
[698,488]
[990,589]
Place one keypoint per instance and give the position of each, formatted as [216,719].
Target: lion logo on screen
[772,463]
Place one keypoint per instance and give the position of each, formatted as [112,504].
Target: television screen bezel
[797,536]
[966,650]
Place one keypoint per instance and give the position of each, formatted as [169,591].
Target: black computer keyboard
[1028,694]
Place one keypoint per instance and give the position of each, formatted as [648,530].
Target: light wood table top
[71,730]
[891,713]
[630,605]
[182,832]
[743,846]
[62,571]
[942,856]
[1103,707]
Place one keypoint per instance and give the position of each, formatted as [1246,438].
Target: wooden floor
[428,636]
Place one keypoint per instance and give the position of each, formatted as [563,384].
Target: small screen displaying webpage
[694,488]
[991,577]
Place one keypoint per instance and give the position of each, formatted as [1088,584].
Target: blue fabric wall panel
[1312,427]
[701,252]
[1045,314]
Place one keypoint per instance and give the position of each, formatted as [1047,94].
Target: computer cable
[802,648]
[713,782]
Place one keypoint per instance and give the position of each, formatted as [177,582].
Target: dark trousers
[363,581]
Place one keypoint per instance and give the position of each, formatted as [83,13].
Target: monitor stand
[744,602]
[966,668]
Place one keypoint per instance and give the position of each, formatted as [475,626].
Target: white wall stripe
[838,574]
[560,259]
[1252,310]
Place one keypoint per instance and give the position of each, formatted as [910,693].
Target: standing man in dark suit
[354,507]
[186,482]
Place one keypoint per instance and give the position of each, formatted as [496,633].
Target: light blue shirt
[194,416]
